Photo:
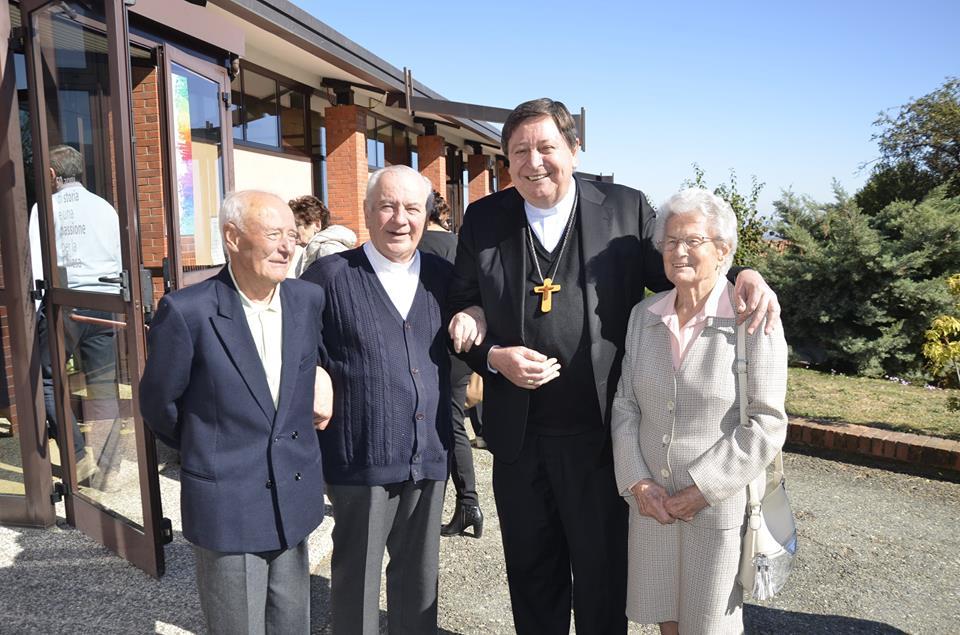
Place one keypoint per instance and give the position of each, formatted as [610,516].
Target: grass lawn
[878,403]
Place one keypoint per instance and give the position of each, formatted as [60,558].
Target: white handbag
[770,542]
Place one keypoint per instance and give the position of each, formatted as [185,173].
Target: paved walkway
[878,555]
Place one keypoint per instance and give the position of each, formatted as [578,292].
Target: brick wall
[432,158]
[503,176]
[478,176]
[347,166]
[8,407]
[148,164]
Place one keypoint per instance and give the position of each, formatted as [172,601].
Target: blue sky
[784,91]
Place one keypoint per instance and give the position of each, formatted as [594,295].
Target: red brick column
[432,160]
[148,164]
[479,177]
[347,166]
[503,176]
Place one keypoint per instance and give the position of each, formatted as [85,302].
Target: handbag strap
[754,487]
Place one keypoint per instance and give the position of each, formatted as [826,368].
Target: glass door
[25,472]
[199,174]
[90,327]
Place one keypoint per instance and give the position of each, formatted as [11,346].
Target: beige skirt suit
[680,428]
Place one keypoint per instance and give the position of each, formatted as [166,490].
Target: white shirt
[266,326]
[87,234]
[548,224]
[399,279]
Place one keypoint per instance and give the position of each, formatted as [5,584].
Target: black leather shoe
[464,516]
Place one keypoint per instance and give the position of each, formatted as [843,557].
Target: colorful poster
[184,153]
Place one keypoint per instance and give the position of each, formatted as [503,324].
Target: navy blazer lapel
[231,326]
[513,260]
[595,223]
[292,338]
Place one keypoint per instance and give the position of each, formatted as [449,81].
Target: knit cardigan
[391,377]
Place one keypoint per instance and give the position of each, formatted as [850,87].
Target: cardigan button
[666,438]
[414,370]
[297,476]
[269,484]
[295,435]
[419,416]
[665,473]
[671,406]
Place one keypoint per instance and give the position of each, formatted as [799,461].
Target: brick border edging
[902,447]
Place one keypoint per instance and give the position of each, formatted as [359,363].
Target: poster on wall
[217,255]
[183,153]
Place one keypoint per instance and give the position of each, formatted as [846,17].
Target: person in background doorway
[315,235]
[87,239]
[440,241]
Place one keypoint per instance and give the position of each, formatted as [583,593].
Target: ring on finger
[529,382]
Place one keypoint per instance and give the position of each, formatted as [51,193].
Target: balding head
[259,235]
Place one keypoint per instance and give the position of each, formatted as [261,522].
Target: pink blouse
[681,337]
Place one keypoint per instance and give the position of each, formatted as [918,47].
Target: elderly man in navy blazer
[230,382]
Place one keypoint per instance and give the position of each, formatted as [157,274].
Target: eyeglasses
[691,242]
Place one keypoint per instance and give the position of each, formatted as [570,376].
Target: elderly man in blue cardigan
[385,451]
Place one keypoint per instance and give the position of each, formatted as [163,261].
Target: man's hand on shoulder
[756,300]
[524,367]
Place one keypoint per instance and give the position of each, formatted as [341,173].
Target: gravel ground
[878,555]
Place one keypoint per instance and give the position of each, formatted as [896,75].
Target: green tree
[925,133]
[903,181]
[942,346]
[859,291]
[751,247]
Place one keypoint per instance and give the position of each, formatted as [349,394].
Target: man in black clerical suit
[557,263]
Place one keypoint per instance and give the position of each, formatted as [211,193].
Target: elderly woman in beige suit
[683,459]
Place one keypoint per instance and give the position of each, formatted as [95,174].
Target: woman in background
[317,236]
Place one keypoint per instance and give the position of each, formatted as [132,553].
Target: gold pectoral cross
[546,291]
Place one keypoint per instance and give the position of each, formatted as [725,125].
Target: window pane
[199,166]
[236,108]
[76,88]
[292,105]
[260,108]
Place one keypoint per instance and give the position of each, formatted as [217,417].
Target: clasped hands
[654,501]
[522,366]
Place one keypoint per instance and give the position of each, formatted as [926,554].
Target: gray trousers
[404,518]
[255,593]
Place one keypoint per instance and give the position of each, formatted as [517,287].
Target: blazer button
[665,473]
[414,370]
[276,440]
[419,416]
[295,435]
[297,476]
[269,485]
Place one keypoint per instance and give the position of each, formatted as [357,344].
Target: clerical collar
[563,207]
[382,263]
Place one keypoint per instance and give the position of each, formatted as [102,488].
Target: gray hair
[236,204]
[719,215]
[399,170]
[66,162]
